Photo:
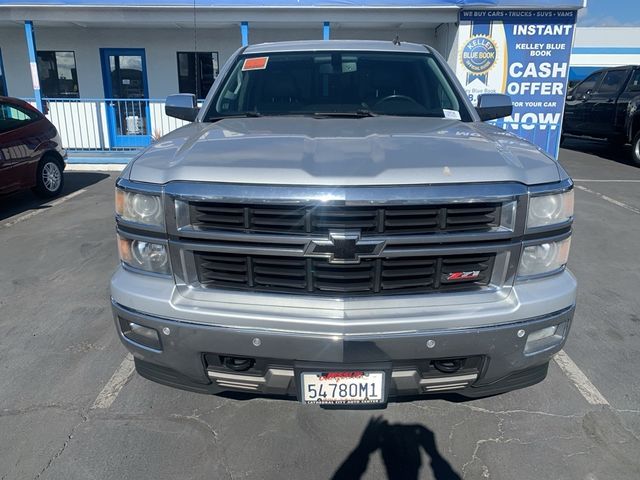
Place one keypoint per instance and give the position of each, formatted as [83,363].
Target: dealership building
[600,47]
[101,68]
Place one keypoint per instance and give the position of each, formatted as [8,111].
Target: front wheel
[635,150]
[49,178]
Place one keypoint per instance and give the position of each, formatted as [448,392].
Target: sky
[610,13]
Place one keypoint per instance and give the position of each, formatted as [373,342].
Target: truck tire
[635,150]
[49,177]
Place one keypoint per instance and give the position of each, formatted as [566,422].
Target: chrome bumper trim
[411,380]
[279,379]
[275,378]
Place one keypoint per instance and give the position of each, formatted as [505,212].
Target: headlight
[139,208]
[550,209]
[148,256]
[544,258]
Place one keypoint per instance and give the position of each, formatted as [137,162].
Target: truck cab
[605,105]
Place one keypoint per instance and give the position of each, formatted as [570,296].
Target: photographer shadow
[400,447]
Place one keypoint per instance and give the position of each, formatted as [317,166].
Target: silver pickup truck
[338,224]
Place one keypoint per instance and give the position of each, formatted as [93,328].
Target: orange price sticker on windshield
[256,63]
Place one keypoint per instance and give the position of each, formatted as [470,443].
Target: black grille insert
[376,276]
[295,219]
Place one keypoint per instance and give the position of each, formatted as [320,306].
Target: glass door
[124,74]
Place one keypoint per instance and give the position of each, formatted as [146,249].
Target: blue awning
[534,4]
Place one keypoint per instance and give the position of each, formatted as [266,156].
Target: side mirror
[634,87]
[183,106]
[494,105]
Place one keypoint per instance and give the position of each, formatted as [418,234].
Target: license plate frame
[331,379]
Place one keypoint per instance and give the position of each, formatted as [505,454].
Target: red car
[31,154]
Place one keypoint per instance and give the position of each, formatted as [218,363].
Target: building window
[58,75]
[197,77]
[3,80]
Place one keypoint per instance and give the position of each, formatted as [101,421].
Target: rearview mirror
[183,106]
[494,105]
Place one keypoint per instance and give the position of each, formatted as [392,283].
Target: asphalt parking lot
[71,408]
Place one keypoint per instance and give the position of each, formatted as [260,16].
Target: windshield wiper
[361,113]
[251,114]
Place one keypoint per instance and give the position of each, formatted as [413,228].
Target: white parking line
[119,379]
[29,215]
[588,390]
[610,200]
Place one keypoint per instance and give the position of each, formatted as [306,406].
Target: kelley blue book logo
[479,54]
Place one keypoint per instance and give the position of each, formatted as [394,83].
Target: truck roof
[315,45]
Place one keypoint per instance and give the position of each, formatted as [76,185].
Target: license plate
[342,387]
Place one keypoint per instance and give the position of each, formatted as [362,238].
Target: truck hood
[338,151]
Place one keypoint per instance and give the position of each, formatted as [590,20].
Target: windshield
[337,84]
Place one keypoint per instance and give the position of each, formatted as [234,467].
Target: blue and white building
[102,68]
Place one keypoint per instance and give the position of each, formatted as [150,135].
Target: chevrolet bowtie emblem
[344,247]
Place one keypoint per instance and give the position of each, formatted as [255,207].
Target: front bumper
[496,356]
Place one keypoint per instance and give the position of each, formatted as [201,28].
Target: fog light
[140,334]
[542,333]
[544,338]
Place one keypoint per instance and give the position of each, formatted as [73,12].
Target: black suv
[606,105]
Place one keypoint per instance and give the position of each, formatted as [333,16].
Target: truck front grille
[341,241]
[319,277]
[392,220]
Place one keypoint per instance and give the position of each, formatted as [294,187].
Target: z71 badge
[472,275]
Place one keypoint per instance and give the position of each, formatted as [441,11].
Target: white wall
[160,47]
[415,35]
[160,50]
[620,37]
[15,60]
[446,42]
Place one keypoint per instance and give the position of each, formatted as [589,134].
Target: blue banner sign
[524,54]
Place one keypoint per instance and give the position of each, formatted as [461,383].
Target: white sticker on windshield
[452,114]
